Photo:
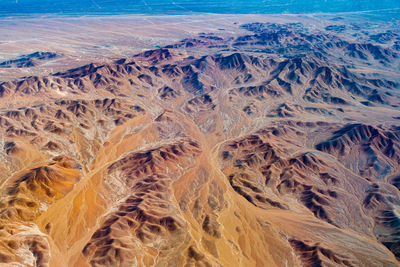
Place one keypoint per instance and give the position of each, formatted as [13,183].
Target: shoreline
[180,14]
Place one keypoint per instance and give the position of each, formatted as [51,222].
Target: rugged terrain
[279,146]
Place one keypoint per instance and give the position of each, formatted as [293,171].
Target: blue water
[160,7]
